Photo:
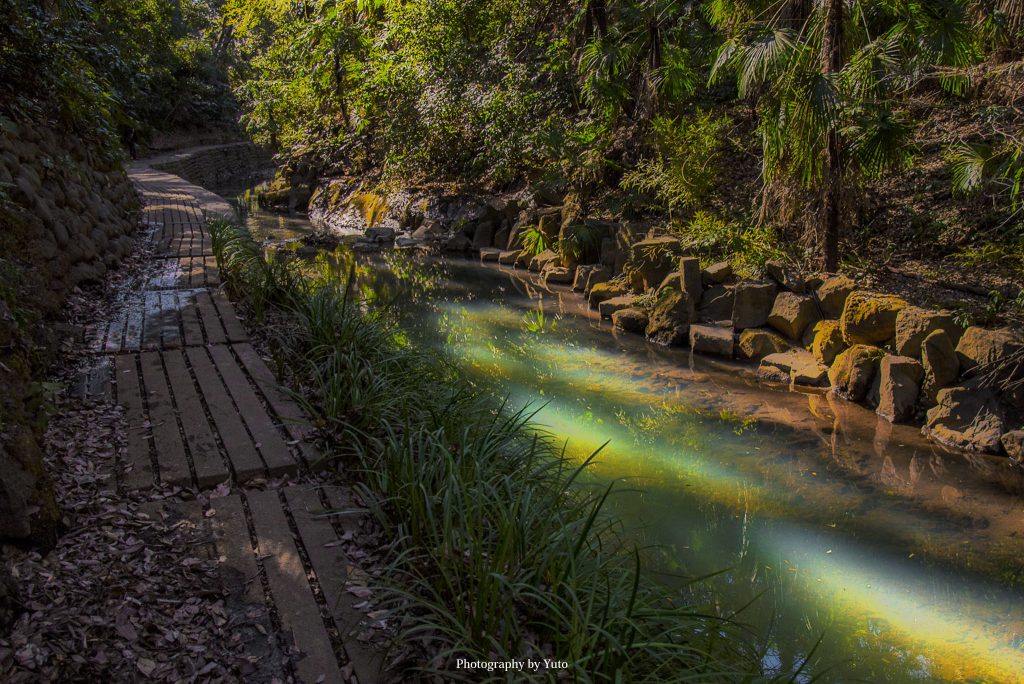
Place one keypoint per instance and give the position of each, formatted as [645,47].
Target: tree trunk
[831,191]
[339,87]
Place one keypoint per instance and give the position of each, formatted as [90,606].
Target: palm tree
[828,79]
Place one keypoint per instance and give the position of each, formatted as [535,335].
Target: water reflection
[903,558]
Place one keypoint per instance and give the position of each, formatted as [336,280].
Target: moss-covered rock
[870,318]
[605,290]
[832,294]
[756,343]
[632,320]
[854,370]
[670,320]
[827,341]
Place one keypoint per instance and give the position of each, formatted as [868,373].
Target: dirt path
[199,504]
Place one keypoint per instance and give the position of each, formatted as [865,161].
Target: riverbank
[927,361]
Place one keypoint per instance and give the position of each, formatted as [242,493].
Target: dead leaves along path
[197,548]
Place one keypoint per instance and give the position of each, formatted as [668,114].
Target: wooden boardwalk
[205,412]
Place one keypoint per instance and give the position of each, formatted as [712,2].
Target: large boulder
[457,243]
[832,294]
[632,320]
[590,275]
[898,388]
[752,303]
[1013,443]
[796,366]
[717,303]
[543,259]
[940,363]
[605,290]
[784,276]
[854,371]
[983,347]
[610,306]
[690,280]
[827,341]
[509,257]
[652,259]
[716,274]
[670,319]
[870,318]
[483,236]
[913,324]
[792,313]
[558,275]
[707,339]
[967,417]
[757,343]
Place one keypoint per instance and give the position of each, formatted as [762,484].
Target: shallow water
[906,560]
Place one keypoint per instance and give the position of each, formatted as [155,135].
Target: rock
[1013,443]
[792,313]
[717,273]
[603,291]
[610,306]
[827,341]
[490,254]
[632,320]
[940,363]
[717,303]
[669,322]
[708,339]
[913,324]
[784,276]
[501,237]
[508,257]
[690,280]
[967,417]
[870,318]
[796,366]
[559,275]
[854,370]
[541,260]
[483,236]
[589,275]
[652,259]
[457,243]
[549,221]
[752,304]
[832,294]
[757,343]
[983,347]
[898,388]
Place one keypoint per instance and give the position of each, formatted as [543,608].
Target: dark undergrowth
[499,548]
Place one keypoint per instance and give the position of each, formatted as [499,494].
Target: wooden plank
[330,564]
[232,325]
[284,408]
[215,333]
[170,333]
[133,329]
[151,321]
[211,274]
[271,445]
[115,333]
[202,444]
[193,332]
[139,474]
[290,590]
[241,451]
[231,537]
[170,449]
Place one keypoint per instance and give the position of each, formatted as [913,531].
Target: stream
[822,522]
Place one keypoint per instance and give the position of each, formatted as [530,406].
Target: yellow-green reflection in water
[905,560]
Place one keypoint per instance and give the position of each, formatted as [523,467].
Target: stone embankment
[68,210]
[814,332]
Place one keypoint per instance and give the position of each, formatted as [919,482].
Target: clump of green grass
[499,549]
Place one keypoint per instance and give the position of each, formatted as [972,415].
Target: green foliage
[685,166]
[533,240]
[499,548]
[979,167]
[114,68]
[749,246]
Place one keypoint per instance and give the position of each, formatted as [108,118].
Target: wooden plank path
[204,411]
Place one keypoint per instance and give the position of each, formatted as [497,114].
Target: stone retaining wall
[68,211]
[221,167]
